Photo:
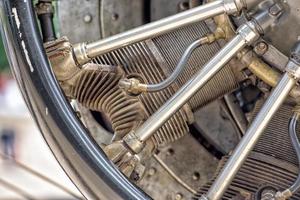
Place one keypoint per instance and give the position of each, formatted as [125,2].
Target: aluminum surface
[192,86]
[251,137]
[85,51]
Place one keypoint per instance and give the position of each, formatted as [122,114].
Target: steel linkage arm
[276,99]
[84,52]
[134,142]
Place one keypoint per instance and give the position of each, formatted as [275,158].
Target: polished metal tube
[246,36]
[251,137]
[84,52]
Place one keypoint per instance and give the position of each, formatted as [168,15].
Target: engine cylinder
[154,60]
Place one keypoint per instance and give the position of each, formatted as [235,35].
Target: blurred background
[28,170]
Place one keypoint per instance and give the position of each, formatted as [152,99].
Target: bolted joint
[295,53]
[232,6]
[266,18]
[251,30]
[44,7]
[60,54]
[293,66]
[283,195]
[293,69]
[248,32]
[133,86]
[235,6]
[133,142]
[80,53]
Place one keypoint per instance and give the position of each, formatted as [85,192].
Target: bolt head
[178,196]
[261,48]
[88,18]
[196,176]
[152,171]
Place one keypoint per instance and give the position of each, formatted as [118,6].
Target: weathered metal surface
[217,127]
[118,16]
[259,170]
[79,19]
[287,26]
[180,158]
[137,60]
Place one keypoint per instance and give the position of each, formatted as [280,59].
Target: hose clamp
[133,142]
[232,6]
[249,32]
[295,53]
[80,53]
[293,69]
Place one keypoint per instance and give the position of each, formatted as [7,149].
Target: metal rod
[294,121]
[84,52]
[246,35]
[251,137]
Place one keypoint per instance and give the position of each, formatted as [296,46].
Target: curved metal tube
[296,144]
[134,86]
[87,166]
[180,66]
[246,36]
[286,194]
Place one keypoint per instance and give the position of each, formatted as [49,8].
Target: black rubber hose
[45,15]
[296,144]
[81,158]
[47,27]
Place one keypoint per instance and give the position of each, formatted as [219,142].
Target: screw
[196,176]
[261,48]
[115,17]
[87,18]
[134,176]
[170,152]
[178,196]
[275,10]
[152,171]
[182,6]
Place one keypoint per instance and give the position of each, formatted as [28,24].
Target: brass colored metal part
[283,195]
[133,85]
[60,53]
[264,72]
[131,164]
[96,87]
[223,30]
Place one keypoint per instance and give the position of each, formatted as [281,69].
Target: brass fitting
[133,86]
[283,195]
[263,71]
[223,30]
[60,54]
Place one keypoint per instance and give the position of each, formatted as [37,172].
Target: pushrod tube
[246,35]
[85,51]
[251,137]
